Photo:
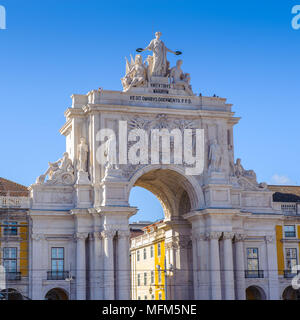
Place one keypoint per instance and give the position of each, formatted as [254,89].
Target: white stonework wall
[226,213]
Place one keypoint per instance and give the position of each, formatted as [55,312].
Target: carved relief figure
[82,155]
[215,156]
[59,172]
[136,74]
[180,79]
[159,66]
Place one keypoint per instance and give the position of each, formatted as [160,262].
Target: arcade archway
[255,293]
[12,294]
[172,236]
[56,294]
[290,294]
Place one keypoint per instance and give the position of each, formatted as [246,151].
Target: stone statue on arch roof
[179,79]
[136,74]
[159,62]
[59,172]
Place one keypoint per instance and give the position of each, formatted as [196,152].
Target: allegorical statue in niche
[215,156]
[180,79]
[82,155]
[136,74]
[109,153]
[59,172]
[159,64]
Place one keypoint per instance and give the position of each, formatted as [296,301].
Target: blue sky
[244,51]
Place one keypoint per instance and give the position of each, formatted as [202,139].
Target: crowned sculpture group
[156,69]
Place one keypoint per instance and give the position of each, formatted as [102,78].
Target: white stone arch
[188,182]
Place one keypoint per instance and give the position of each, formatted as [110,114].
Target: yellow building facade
[14,238]
[148,280]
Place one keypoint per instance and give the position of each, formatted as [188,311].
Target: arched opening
[11,294]
[255,293]
[56,294]
[291,294]
[161,254]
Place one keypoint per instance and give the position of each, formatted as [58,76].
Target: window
[139,279]
[291,258]
[151,252]
[152,277]
[57,262]
[158,249]
[289,231]
[253,264]
[145,278]
[138,255]
[152,297]
[159,274]
[145,253]
[139,298]
[10,228]
[146,297]
[160,296]
[252,258]
[10,259]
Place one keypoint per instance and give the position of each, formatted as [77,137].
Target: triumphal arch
[160,135]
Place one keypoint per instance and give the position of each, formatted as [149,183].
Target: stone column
[240,267]
[37,273]
[123,266]
[228,266]
[214,255]
[96,292]
[171,262]
[109,282]
[203,273]
[80,265]
[195,266]
[91,270]
[272,268]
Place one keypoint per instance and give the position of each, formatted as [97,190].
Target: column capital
[107,234]
[239,237]
[213,235]
[269,239]
[80,235]
[171,245]
[38,236]
[199,236]
[123,234]
[95,235]
[228,235]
